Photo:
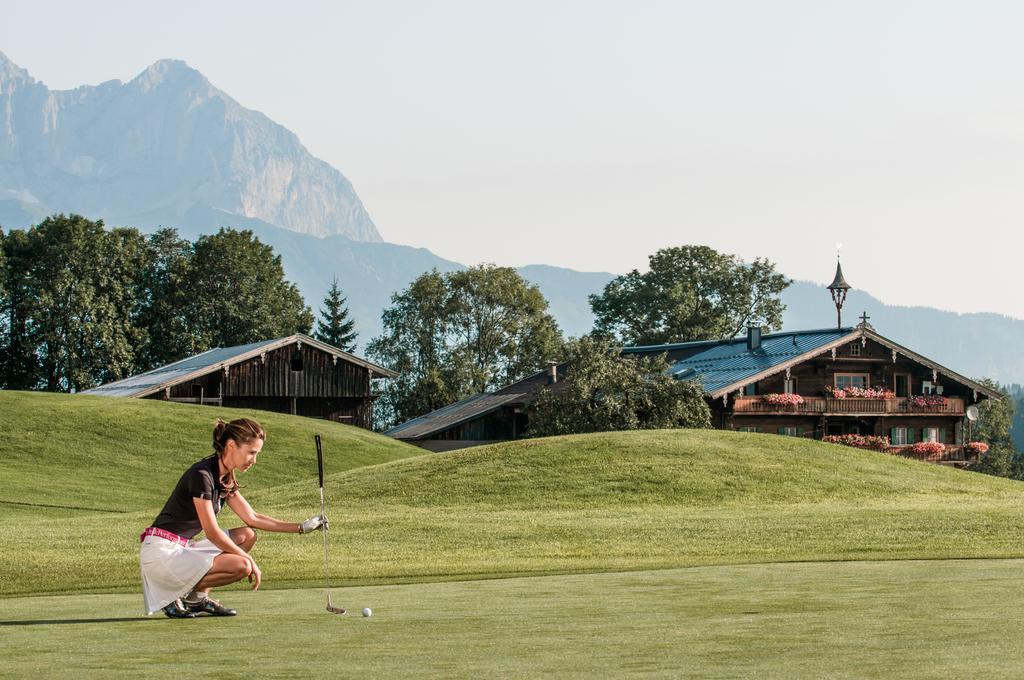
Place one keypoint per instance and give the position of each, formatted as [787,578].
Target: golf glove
[314,523]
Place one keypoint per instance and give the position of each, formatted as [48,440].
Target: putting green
[952,618]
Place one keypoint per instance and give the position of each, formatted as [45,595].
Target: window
[854,349]
[901,385]
[927,387]
[789,386]
[790,430]
[899,436]
[750,390]
[748,428]
[847,380]
[933,434]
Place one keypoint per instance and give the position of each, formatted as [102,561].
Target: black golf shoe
[208,606]
[176,610]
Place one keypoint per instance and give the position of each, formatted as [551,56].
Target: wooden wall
[320,376]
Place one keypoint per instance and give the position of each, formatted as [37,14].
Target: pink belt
[161,533]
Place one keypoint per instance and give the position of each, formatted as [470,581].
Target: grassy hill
[604,502]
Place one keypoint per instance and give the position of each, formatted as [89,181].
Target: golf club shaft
[323,514]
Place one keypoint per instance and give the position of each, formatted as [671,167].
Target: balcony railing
[952,406]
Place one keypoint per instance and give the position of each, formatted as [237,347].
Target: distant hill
[148,151]
[976,345]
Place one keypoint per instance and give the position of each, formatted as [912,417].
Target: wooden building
[295,374]
[817,383]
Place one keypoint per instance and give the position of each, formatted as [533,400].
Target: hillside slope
[602,502]
[120,455]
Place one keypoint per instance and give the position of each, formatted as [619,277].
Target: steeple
[838,290]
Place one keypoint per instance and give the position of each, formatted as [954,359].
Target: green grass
[700,553]
[847,620]
[607,502]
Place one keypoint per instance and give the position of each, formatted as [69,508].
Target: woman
[177,572]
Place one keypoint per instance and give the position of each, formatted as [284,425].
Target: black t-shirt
[202,480]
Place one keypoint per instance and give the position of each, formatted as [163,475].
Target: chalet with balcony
[817,383]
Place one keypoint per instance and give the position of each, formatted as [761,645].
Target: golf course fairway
[909,619]
[682,553]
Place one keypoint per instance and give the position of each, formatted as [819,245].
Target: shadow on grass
[60,622]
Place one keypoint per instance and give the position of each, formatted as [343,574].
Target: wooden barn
[296,374]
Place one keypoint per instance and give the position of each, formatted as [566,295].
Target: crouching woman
[177,571]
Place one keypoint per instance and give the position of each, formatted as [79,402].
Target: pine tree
[334,327]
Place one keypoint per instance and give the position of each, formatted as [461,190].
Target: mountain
[149,151]
[168,148]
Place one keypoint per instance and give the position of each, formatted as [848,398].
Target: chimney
[753,337]
[552,373]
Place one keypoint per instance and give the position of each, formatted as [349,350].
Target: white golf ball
[367,611]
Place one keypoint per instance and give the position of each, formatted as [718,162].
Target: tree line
[82,305]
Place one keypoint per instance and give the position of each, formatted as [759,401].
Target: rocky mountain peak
[11,72]
[161,147]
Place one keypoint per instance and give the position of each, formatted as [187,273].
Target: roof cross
[864,319]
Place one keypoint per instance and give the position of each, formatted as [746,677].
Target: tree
[995,419]
[690,293]
[334,327]
[233,292]
[162,302]
[18,360]
[605,390]
[994,426]
[501,326]
[453,335]
[71,294]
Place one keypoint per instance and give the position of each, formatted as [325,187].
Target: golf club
[323,514]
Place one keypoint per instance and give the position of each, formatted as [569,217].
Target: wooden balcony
[953,406]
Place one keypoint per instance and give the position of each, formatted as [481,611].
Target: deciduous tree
[453,335]
[690,293]
[605,390]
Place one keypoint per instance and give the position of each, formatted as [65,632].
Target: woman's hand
[313,523]
[255,576]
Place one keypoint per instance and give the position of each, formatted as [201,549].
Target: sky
[590,134]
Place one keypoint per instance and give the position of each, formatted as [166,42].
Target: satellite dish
[972,413]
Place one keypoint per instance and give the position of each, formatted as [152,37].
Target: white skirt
[170,569]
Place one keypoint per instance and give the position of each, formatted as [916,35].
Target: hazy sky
[590,134]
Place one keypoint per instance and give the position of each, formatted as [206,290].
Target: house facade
[813,384]
[296,374]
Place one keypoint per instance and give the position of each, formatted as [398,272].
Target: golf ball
[367,611]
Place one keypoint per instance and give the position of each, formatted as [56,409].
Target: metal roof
[839,282]
[147,383]
[729,362]
[449,416]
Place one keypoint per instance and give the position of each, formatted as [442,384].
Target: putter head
[335,610]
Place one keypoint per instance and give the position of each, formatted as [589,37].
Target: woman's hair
[243,431]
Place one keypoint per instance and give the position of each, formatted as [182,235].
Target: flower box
[926,402]
[976,448]
[860,393]
[786,400]
[859,441]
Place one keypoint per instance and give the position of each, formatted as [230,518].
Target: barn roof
[145,384]
[449,416]
[725,365]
